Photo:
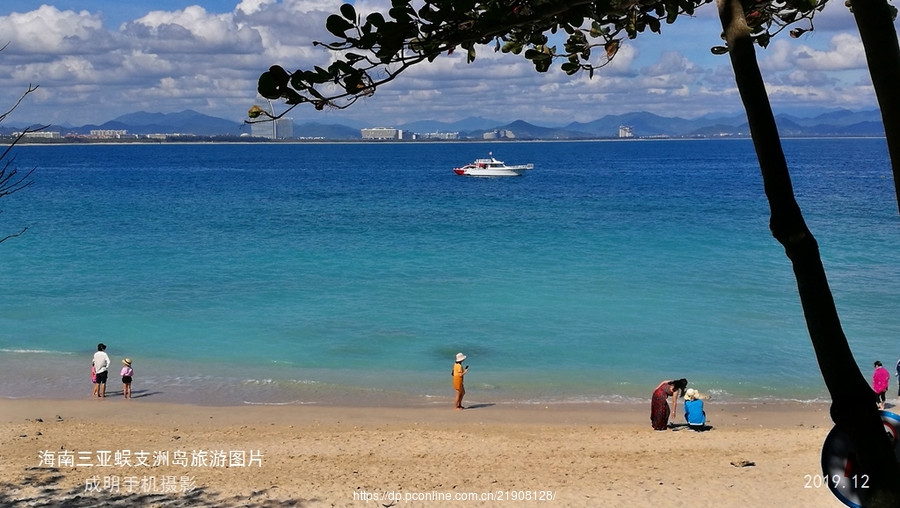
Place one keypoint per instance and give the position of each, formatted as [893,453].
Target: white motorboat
[491,167]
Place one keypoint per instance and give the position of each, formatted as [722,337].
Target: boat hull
[487,172]
[491,167]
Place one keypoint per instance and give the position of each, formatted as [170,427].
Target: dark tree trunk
[853,406]
[879,38]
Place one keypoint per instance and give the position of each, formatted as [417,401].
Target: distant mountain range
[839,122]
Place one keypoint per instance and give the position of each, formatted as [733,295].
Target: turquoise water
[353,273]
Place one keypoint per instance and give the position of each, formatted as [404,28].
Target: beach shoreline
[571,454]
[53,375]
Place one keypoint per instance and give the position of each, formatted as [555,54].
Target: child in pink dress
[127,373]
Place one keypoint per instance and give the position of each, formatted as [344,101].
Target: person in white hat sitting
[458,372]
[693,408]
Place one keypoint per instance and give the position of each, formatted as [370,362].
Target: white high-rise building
[283,128]
[264,127]
[382,133]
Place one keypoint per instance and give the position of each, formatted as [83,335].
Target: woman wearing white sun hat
[458,372]
[693,408]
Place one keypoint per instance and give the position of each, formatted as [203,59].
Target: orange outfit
[457,376]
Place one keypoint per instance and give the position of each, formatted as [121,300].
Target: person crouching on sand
[127,373]
[458,372]
[659,408]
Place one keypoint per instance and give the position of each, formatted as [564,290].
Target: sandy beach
[114,452]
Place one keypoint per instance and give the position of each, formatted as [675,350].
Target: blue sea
[352,273]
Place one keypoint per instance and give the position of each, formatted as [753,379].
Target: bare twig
[7,237]
[10,180]
[31,89]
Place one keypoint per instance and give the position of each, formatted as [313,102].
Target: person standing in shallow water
[898,379]
[458,373]
[880,379]
[101,366]
[127,373]
[659,407]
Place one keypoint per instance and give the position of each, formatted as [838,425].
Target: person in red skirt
[659,406]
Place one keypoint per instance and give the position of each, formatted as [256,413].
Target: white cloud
[193,30]
[845,52]
[854,97]
[200,59]
[252,6]
[70,69]
[49,31]
[139,63]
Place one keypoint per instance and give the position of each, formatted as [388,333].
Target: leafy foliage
[374,49]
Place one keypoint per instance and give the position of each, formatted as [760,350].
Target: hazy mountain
[643,124]
[185,122]
[325,131]
[525,130]
[856,129]
[845,117]
[837,122]
[473,123]
[329,119]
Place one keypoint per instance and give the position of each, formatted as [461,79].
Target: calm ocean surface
[353,273]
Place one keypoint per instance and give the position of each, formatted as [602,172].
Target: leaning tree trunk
[853,406]
[879,38]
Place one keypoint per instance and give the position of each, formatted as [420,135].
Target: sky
[95,60]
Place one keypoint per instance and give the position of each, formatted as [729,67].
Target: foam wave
[292,403]
[35,351]
[260,382]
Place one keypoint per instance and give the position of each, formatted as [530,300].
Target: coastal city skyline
[96,59]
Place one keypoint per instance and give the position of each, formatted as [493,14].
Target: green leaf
[376,19]
[291,97]
[348,12]
[401,14]
[672,16]
[268,86]
[789,16]
[337,26]
[511,47]
[278,73]
[367,41]
[570,68]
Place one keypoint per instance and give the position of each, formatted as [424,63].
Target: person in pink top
[880,379]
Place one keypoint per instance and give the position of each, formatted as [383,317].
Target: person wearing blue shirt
[693,408]
[898,377]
